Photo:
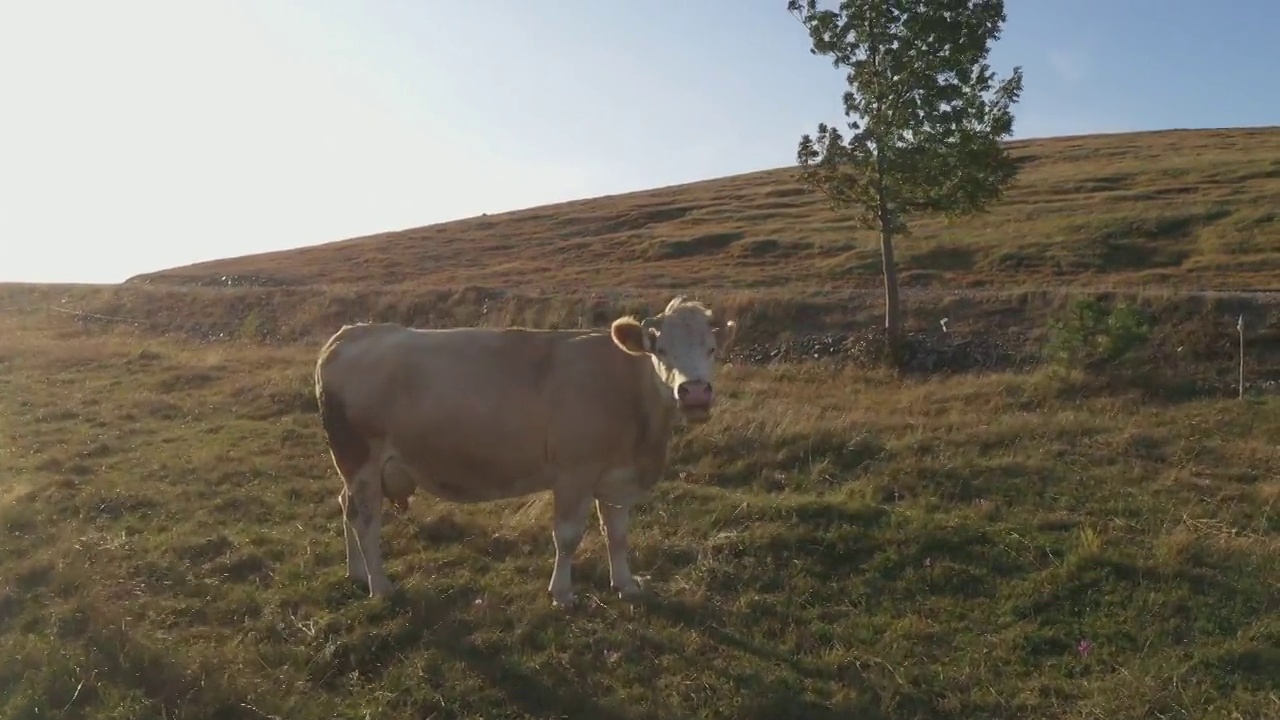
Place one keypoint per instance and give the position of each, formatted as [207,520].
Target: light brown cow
[479,414]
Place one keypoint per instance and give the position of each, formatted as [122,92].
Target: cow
[477,414]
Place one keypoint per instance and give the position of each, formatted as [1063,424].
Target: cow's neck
[658,417]
[660,405]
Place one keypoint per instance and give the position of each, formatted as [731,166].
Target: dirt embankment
[1194,334]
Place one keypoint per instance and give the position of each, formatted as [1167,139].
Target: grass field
[839,542]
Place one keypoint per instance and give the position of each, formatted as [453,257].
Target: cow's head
[683,342]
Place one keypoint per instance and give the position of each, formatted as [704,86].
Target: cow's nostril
[682,390]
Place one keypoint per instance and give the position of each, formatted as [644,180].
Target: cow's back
[483,413]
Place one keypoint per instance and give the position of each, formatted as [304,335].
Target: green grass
[837,543]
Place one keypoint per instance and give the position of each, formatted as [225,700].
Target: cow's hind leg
[356,569]
[361,502]
[570,523]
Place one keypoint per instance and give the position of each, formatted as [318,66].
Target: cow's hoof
[379,587]
[629,591]
[566,601]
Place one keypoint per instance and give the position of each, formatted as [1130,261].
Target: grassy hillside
[1187,209]
[836,544]
[1008,540]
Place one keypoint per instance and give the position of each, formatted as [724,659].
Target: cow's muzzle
[695,398]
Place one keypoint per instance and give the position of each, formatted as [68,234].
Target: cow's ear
[724,335]
[630,336]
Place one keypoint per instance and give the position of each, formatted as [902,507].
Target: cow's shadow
[524,688]
[773,704]
[441,624]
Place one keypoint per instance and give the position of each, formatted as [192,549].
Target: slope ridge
[1174,208]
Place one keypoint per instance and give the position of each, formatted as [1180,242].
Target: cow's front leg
[570,522]
[615,521]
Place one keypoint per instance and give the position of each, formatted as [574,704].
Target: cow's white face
[684,345]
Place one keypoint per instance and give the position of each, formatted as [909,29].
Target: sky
[137,135]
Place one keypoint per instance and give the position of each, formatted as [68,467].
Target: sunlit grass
[834,544]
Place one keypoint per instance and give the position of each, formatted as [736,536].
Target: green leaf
[926,114]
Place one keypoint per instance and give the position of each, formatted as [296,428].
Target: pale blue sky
[142,134]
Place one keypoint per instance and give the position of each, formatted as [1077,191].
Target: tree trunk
[892,303]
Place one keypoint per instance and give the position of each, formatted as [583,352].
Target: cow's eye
[711,351]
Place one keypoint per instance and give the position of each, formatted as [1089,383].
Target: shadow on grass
[437,623]
[774,702]
[524,687]
[172,688]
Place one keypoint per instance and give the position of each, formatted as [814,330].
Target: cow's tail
[350,451]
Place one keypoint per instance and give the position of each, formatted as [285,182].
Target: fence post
[1240,330]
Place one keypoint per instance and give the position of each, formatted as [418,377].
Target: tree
[926,118]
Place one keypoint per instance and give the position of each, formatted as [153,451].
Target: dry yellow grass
[1186,209]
